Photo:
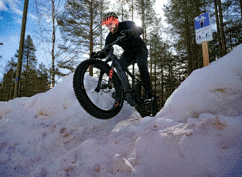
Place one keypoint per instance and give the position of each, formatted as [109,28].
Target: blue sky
[11,12]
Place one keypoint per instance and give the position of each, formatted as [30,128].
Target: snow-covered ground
[197,133]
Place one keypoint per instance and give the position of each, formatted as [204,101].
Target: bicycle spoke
[103,98]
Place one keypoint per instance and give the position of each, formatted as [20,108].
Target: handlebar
[110,45]
[117,40]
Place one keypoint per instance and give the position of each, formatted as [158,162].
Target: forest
[170,39]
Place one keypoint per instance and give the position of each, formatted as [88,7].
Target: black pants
[140,56]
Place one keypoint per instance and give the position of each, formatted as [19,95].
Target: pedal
[149,101]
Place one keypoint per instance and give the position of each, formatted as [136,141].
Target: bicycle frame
[121,72]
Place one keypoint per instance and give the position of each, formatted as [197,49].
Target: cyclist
[134,48]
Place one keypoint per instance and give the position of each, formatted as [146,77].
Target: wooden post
[21,46]
[205,53]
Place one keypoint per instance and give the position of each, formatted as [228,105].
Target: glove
[103,53]
[99,54]
[129,33]
[94,55]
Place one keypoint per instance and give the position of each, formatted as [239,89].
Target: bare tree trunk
[4,91]
[132,10]
[231,43]
[155,65]
[25,86]
[19,87]
[218,28]
[222,27]
[122,10]
[53,44]
[151,60]
[91,35]
[162,86]
[1,93]
[12,83]
[204,6]
[197,47]
[240,3]
[21,46]
[101,32]
[143,19]
[188,45]
[6,98]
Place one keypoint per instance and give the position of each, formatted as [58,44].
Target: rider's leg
[126,58]
[140,56]
[141,59]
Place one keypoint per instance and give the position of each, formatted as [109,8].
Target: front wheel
[101,95]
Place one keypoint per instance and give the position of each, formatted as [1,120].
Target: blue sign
[202,21]
[203,28]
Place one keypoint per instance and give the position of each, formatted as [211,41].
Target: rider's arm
[135,29]
[105,51]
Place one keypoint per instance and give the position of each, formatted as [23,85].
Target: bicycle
[111,81]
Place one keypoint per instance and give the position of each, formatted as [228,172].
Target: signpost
[203,34]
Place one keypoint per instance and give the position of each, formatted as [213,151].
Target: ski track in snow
[197,133]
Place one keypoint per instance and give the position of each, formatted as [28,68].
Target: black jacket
[130,44]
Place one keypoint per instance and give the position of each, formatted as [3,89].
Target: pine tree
[29,65]
[122,9]
[29,57]
[7,84]
[38,81]
[180,15]
[233,26]
[43,83]
[80,25]
[218,28]
[240,3]
[146,13]
[222,27]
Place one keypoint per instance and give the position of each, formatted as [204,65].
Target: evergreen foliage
[170,61]
[224,14]
[32,80]
[78,26]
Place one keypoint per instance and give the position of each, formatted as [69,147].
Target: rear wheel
[101,95]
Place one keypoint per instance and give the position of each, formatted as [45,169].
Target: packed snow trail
[197,133]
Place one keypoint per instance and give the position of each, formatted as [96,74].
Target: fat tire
[82,96]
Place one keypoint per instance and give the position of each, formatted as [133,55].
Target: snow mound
[197,133]
[215,89]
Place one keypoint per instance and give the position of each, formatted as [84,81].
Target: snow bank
[215,89]
[197,133]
